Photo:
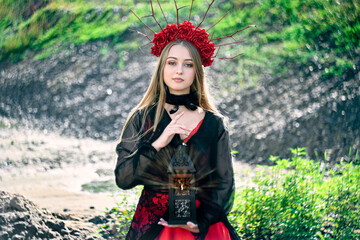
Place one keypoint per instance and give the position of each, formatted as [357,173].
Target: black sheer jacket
[138,163]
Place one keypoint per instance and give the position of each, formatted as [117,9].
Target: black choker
[190,101]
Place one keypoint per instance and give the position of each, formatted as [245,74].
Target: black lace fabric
[138,163]
[152,205]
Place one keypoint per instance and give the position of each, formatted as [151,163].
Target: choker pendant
[174,110]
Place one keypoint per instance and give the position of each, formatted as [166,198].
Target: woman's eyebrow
[188,59]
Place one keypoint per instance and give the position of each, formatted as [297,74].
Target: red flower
[160,39]
[206,52]
[171,32]
[199,37]
[207,62]
[186,30]
[156,50]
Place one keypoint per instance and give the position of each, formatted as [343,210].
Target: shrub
[294,200]
[120,220]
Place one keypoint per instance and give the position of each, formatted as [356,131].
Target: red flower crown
[187,31]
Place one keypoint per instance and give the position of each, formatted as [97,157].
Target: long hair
[156,93]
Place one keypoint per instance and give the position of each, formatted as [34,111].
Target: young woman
[176,110]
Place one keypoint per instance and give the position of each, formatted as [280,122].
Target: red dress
[146,214]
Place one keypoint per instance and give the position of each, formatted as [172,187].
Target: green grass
[121,217]
[295,199]
[99,186]
[3,125]
[7,124]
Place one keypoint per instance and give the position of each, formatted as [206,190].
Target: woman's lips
[178,79]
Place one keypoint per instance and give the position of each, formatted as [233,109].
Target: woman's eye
[188,65]
[172,63]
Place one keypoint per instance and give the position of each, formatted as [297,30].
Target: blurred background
[75,68]
[71,71]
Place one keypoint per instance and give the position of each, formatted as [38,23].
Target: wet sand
[60,190]
[50,170]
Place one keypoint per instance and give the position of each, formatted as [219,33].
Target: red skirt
[217,231]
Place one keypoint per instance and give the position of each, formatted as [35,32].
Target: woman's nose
[179,70]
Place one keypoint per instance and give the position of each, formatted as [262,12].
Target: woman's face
[179,71]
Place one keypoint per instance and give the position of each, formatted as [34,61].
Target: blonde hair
[156,90]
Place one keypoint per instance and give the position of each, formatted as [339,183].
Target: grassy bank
[299,198]
[317,35]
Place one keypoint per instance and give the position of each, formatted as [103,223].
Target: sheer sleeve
[217,202]
[134,154]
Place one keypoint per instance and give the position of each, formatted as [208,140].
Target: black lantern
[182,205]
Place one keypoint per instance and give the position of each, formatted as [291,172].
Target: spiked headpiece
[187,31]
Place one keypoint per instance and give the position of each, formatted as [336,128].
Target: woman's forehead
[179,52]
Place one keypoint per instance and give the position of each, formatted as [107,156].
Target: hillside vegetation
[318,34]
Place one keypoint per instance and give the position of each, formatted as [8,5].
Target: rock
[55,226]
[4,235]
[18,237]
[19,226]
[17,204]
[22,219]
[98,220]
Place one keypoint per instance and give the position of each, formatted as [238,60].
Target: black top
[208,148]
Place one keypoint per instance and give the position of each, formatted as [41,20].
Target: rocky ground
[22,219]
[301,111]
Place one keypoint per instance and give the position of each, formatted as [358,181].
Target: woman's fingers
[184,128]
[173,124]
[176,118]
[179,129]
[190,226]
[194,227]
[175,128]
[162,222]
[171,129]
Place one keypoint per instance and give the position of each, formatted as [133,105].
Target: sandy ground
[60,190]
[50,170]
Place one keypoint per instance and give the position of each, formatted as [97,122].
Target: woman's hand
[169,132]
[190,226]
